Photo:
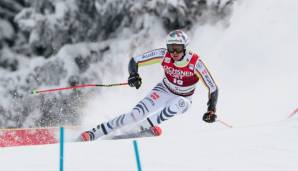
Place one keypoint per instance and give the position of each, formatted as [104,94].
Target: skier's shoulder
[199,62]
[192,54]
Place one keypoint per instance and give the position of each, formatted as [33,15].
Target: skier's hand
[134,80]
[209,117]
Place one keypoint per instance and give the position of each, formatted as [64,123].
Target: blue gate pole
[135,145]
[61,148]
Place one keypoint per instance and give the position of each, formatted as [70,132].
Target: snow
[271,146]
[6,30]
[254,63]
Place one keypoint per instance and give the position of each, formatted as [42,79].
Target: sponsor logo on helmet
[175,41]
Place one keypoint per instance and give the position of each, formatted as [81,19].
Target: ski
[141,134]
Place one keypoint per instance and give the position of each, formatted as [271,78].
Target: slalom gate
[42,136]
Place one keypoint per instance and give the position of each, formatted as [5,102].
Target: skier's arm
[203,73]
[151,57]
[132,66]
[148,58]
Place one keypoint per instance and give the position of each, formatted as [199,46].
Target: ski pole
[77,86]
[293,113]
[224,123]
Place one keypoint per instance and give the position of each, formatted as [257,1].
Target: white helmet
[177,37]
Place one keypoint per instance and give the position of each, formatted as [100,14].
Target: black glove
[209,117]
[134,80]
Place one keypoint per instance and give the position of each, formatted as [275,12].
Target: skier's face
[176,51]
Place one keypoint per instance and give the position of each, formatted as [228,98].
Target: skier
[183,69]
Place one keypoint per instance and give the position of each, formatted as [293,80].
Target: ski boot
[156,130]
[87,136]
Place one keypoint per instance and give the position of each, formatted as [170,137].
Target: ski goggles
[175,48]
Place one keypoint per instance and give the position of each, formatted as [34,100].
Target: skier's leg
[153,102]
[176,106]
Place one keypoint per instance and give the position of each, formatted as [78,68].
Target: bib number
[179,82]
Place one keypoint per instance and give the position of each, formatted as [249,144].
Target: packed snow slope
[270,147]
[254,63]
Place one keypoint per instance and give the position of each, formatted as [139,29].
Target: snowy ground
[255,63]
[257,147]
